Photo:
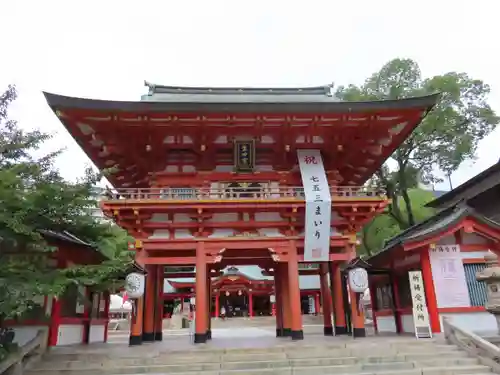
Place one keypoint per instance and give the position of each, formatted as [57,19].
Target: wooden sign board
[421,321]
[244,155]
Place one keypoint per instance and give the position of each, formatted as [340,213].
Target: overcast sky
[106,49]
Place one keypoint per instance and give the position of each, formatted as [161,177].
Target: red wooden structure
[182,190]
[69,320]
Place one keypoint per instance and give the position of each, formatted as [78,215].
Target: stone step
[339,370]
[238,355]
[285,346]
[449,352]
[319,366]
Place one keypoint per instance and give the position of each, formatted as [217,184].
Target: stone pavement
[230,330]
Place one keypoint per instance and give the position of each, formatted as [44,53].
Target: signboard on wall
[448,275]
[318,206]
[421,320]
[244,155]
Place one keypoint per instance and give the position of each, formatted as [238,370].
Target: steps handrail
[476,346]
[15,363]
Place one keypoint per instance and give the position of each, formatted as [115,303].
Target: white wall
[70,334]
[97,333]
[385,323]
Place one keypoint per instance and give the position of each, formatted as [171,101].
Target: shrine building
[68,319]
[230,177]
[245,291]
[449,250]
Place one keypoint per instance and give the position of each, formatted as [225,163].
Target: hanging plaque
[244,155]
[318,206]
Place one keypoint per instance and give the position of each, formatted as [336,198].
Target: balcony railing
[236,193]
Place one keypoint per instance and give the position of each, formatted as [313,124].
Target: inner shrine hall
[214,178]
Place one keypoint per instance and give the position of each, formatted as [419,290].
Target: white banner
[318,206]
[421,320]
[449,276]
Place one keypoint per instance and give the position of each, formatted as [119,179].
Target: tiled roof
[434,225]
[488,177]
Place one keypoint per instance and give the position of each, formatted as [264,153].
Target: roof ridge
[154,88]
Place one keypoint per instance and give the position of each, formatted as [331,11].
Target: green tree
[448,136]
[383,227]
[34,197]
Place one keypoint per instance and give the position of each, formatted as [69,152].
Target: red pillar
[397,304]
[209,305]
[160,273]
[201,312]
[250,304]
[278,297]
[326,299]
[148,333]
[430,292]
[357,316]
[316,303]
[107,301]
[55,314]
[294,294]
[217,304]
[136,325]
[285,300]
[373,299]
[338,297]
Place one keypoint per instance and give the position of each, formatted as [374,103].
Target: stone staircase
[370,356]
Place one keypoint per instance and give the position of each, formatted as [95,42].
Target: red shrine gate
[211,178]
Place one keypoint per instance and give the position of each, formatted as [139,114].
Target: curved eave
[61,102]
[415,237]
[489,178]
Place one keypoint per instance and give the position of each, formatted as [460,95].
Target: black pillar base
[148,336]
[200,338]
[297,335]
[340,330]
[209,334]
[359,332]
[279,332]
[328,331]
[287,332]
[158,336]
[135,340]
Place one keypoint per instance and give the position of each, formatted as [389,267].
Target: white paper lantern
[358,280]
[134,285]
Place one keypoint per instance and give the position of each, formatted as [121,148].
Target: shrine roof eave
[67,237]
[432,228]
[485,180]
[61,102]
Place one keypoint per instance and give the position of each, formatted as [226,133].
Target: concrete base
[340,330]
[200,338]
[148,337]
[135,340]
[359,332]
[328,331]
[297,335]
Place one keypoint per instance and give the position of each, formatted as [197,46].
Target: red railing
[236,193]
